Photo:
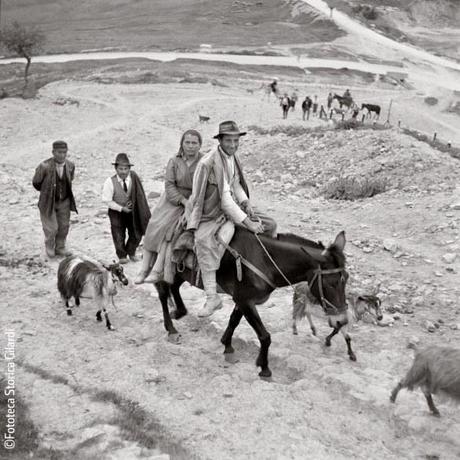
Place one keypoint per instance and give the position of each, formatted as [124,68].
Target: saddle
[183,256]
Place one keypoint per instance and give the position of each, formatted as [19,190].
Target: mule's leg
[429,400]
[98,315]
[395,392]
[77,301]
[163,293]
[180,310]
[252,317]
[233,322]
[344,331]
[107,320]
[334,332]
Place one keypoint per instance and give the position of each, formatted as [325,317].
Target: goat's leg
[106,315]
[429,400]
[98,315]
[233,322]
[335,331]
[394,393]
[310,321]
[180,310]
[344,331]
[163,289]
[67,306]
[252,317]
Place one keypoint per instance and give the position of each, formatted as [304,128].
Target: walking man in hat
[128,208]
[53,179]
[219,201]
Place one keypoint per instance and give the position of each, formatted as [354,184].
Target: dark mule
[371,108]
[343,100]
[79,277]
[297,258]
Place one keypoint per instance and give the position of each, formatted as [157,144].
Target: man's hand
[247,208]
[254,227]
[126,209]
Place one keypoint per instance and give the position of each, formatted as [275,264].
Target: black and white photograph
[230,229]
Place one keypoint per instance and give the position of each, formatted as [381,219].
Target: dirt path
[81,382]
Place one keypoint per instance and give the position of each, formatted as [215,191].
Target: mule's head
[330,278]
[116,269]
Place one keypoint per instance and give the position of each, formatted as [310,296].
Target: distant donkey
[82,278]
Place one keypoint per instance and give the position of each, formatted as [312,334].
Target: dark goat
[83,278]
[435,370]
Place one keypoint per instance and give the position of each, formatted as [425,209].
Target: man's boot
[146,267]
[213,301]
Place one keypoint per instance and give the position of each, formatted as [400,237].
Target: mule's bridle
[317,275]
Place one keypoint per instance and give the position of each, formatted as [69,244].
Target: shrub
[351,123]
[352,188]
[370,13]
[431,100]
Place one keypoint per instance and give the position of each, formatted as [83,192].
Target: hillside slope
[172,24]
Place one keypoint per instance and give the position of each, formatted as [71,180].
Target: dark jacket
[45,182]
[141,210]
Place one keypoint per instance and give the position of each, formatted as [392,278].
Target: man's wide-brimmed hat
[229,127]
[122,160]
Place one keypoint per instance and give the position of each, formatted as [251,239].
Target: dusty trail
[318,405]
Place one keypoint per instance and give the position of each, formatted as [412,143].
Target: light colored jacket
[205,203]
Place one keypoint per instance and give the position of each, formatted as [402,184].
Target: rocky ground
[132,394]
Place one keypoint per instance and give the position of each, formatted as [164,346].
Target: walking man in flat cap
[53,179]
[219,201]
[128,208]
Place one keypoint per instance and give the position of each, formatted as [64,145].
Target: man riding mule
[219,201]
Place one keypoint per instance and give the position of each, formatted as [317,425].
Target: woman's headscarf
[193,132]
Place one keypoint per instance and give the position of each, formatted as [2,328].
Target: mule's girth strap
[239,259]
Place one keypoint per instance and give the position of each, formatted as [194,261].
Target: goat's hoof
[69,312]
[313,331]
[265,373]
[352,356]
[174,337]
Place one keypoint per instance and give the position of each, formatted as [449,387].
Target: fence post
[389,112]
[343,116]
[330,115]
[362,118]
[399,123]
[449,145]
[434,136]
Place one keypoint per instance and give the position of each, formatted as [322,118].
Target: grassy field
[173,24]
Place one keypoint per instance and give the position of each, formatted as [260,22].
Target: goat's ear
[340,241]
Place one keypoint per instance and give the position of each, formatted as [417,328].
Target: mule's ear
[340,241]
[106,266]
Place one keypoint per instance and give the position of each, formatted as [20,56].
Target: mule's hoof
[174,337]
[352,356]
[295,333]
[178,314]
[98,317]
[231,358]
[313,331]
[69,312]
[265,373]
[229,350]
[436,414]
[327,343]
[110,328]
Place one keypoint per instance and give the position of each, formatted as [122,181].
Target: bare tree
[23,42]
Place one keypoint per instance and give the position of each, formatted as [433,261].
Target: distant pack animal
[346,101]
[297,258]
[79,277]
[435,370]
[371,108]
[203,119]
[358,306]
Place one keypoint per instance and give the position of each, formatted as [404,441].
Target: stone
[449,257]
[413,342]
[429,326]
[386,320]
[455,206]
[390,245]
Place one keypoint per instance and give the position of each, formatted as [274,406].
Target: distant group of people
[204,196]
[311,106]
